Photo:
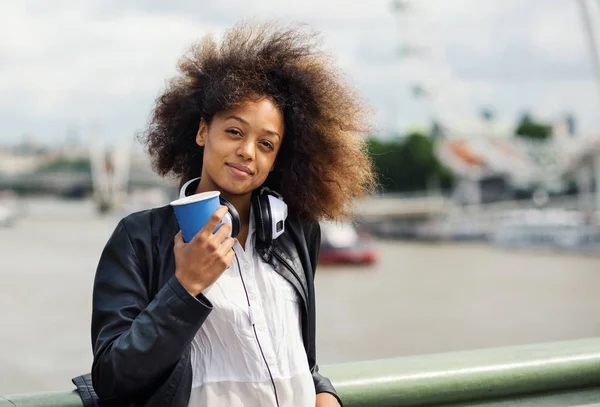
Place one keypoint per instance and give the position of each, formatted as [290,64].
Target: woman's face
[240,147]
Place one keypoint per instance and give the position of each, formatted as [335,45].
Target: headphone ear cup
[233,215]
[262,216]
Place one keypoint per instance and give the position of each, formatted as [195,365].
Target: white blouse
[227,363]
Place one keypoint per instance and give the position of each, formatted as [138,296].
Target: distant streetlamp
[418,91]
[400,5]
[408,51]
[584,180]
[487,114]
[591,38]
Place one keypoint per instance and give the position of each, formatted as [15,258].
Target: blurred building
[492,168]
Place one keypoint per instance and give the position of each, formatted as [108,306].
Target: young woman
[230,320]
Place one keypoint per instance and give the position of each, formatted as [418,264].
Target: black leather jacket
[143,320]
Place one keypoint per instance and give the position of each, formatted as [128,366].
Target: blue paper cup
[194,211]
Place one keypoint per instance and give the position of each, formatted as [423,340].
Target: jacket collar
[282,254]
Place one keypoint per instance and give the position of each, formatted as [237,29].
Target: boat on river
[342,243]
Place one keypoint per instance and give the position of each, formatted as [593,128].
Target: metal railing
[549,374]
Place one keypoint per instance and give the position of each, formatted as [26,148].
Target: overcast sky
[97,65]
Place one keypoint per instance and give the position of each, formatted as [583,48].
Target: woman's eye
[234,132]
[268,144]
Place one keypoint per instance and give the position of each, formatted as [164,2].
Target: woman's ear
[202,133]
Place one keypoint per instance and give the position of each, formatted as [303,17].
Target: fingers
[226,246]
[229,256]
[214,220]
[223,232]
[178,239]
[212,223]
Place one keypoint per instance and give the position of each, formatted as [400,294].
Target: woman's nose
[246,149]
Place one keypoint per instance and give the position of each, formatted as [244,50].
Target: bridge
[390,207]
[565,374]
[77,184]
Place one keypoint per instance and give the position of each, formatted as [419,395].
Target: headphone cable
[252,322]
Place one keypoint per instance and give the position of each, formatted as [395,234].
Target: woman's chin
[233,188]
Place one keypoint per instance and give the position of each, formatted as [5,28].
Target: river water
[420,298]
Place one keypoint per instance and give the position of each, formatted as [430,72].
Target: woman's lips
[239,170]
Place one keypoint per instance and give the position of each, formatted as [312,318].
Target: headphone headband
[185,186]
[269,191]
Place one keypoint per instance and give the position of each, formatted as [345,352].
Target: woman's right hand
[200,262]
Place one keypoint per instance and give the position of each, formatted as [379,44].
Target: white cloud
[559,33]
[105,61]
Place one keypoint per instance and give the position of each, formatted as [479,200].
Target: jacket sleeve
[137,340]
[322,384]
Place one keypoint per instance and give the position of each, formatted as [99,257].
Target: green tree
[62,164]
[408,165]
[531,129]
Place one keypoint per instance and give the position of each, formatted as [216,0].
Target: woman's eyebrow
[239,119]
